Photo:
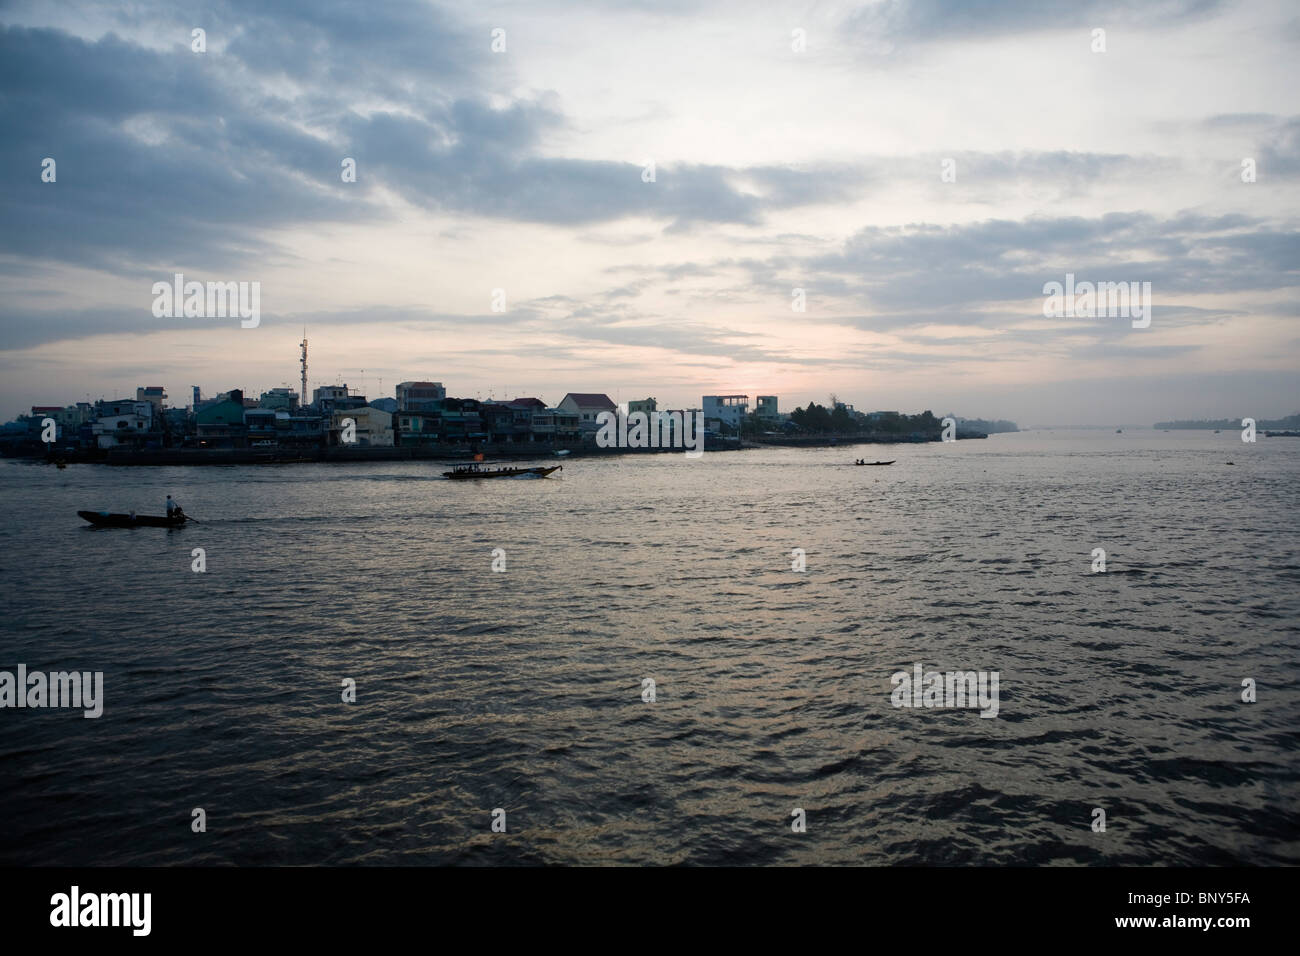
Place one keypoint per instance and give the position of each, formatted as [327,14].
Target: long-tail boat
[462,472]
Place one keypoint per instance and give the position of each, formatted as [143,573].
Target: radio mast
[302,400]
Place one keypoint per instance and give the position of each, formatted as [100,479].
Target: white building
[122,422]
[729,410]
[374,426]
[587,406]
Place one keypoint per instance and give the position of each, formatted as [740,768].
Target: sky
[920,169]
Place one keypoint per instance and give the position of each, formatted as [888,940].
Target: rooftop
[590,400]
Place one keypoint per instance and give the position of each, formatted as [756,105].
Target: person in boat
[172,507]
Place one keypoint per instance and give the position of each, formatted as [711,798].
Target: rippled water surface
[522,690]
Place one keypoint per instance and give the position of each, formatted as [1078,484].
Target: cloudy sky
[795,146]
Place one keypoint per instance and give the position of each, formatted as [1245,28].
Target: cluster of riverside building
[420,415]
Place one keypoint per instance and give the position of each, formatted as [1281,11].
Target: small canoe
[474,471]
[869,463]
[105,520]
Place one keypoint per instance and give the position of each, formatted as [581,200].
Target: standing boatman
[172,507]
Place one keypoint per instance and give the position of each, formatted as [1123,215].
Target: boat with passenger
[104,519]
[461,472]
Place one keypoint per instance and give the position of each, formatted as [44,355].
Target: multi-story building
[124,422]
[416,428]
[419,395]
[766,408]
[282,399]
[498,421]
[510,422]
[646,405]
[587,406]
[728,411]
[265,425]
[677,426]
[55,412]
[47,411]
[461,421]
[373,427]
[330,398]
[522,412]
[220,424]
[304,431]
[556,425]
[153,394]
[451,421]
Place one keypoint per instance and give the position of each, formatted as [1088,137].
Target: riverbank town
[420,421]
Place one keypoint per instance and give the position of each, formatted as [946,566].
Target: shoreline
[288,456]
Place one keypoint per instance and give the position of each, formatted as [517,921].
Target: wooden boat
[105,520]
[875,462]
[474,471]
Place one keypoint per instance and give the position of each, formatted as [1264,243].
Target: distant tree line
[986,426]
[1291,421]
[820,420]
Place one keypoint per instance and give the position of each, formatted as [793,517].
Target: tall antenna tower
[302,400]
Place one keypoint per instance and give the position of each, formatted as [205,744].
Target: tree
[815,418]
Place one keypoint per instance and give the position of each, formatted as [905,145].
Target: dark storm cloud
[192,182]
[172,158]
[26,328]
[473,159]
